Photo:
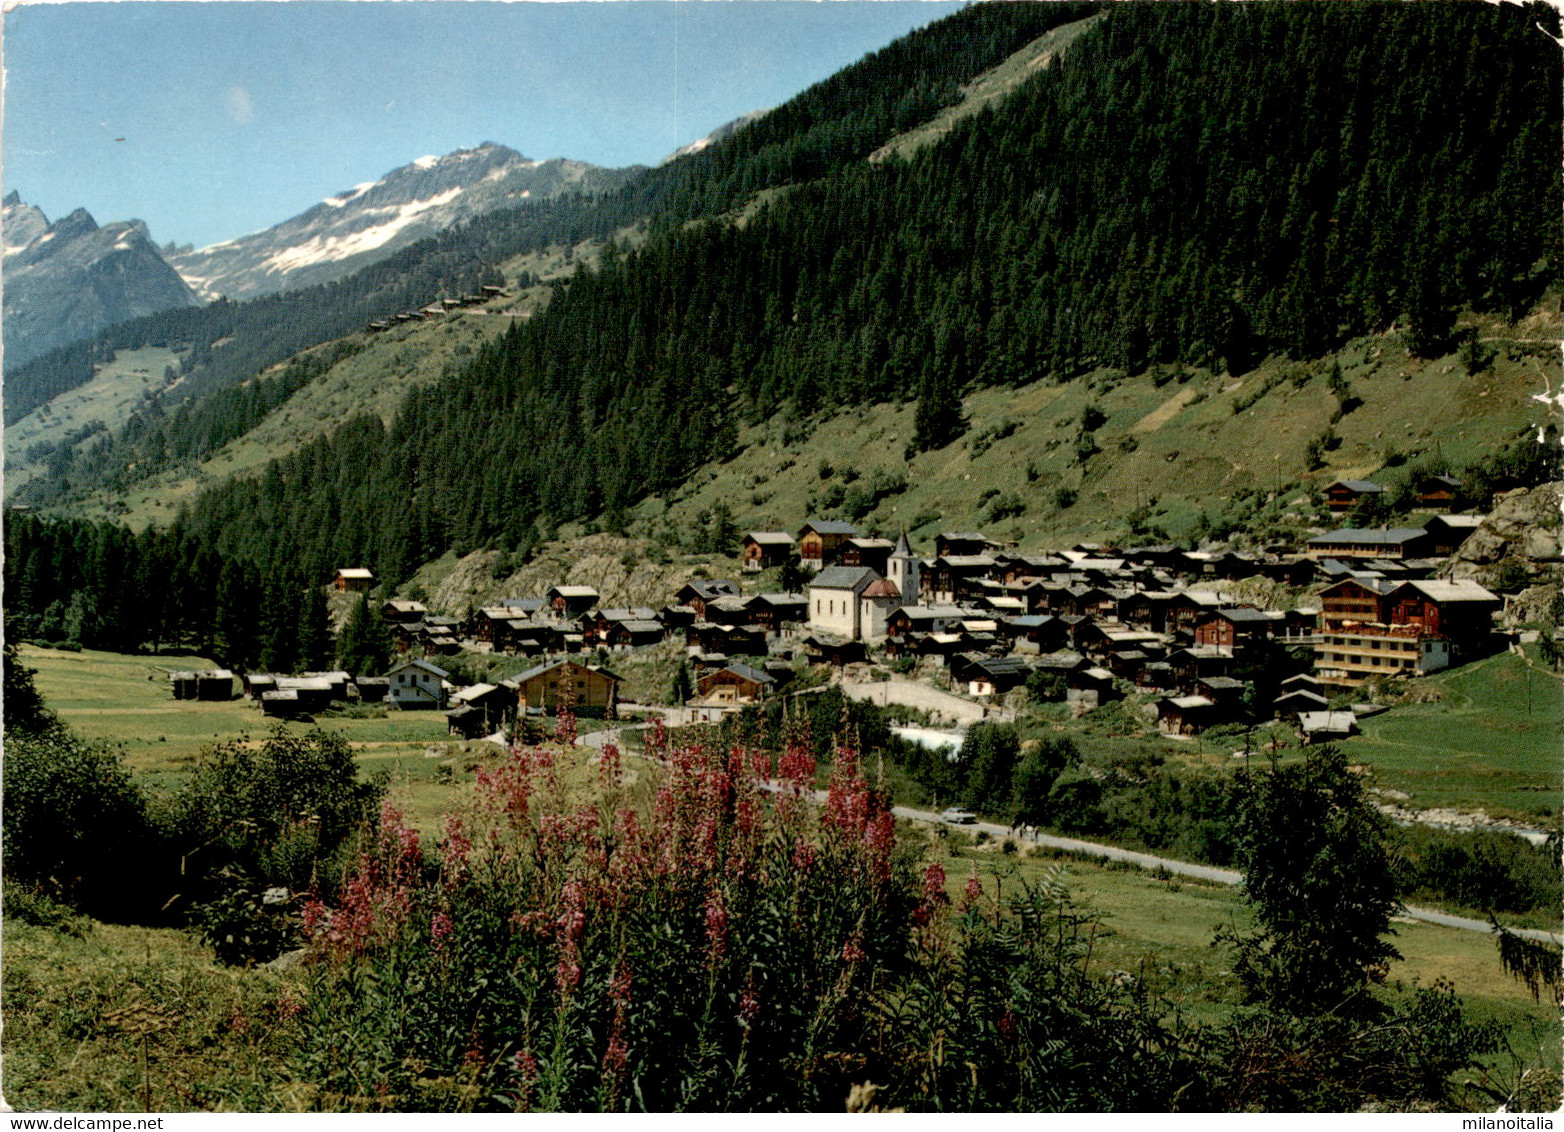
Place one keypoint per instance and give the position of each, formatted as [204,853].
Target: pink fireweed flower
[852,953]
[716,926]
[803,856]
[619,985]
[473,1059]
[974,889]
[238,1023]
[656,740]
[456,850]
[570,922]
[609,766]
[565,723]
[314,917]
[1007,1025]
[288,1006]
[526,1067]
[880,838]
[749,1003]
[796,769]
[440,928]
[934,885]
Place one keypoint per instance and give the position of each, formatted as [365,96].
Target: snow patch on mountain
[322,249]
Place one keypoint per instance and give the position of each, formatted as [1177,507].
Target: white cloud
[240,107]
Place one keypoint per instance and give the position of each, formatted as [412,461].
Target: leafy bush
[75,823]
[31,906]
[282,816]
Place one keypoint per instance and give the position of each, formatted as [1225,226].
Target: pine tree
[1319,874]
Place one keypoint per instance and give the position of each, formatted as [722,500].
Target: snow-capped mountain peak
[371,220]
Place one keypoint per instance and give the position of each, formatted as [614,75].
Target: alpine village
[1026,577]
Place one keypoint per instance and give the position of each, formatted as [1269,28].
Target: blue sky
[235,116]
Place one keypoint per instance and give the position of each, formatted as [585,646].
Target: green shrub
[75,824]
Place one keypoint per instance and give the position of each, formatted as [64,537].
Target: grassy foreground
[114,1018]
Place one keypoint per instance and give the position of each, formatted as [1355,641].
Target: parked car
[955,815]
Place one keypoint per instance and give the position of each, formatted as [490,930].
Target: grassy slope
[1188,450]
[1492,739]
[111,396]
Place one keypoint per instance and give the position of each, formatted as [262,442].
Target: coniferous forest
[1196,184]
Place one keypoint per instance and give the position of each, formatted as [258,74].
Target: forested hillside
[836,121]
[1203,184]
[1200,185]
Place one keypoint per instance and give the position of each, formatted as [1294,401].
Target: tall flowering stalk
[755,920]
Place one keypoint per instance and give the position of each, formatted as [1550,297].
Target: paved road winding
[1207,873]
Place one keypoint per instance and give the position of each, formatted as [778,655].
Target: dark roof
[843,578]
[640,626]
[539,670]
[754,675]
[709,589]
[1394,536]
[1244,614]
[828,527]
[1362,487]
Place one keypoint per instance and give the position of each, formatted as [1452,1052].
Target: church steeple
[903,569]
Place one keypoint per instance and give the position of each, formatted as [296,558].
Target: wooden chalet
[1439,494]
[353,579]
[989,675]
[1347,542]
[698,592]
[732,610]
[734,684]
[1145,609]
[1461,612]
[480,709]
[1039,632]
[962,544]
[772,611]
[1290,705]
[594,690]
[922,619]
[1446,533]
[874,553]
[208,684]
[372,689]
[766,548]
[402,612]
[1326,726]
[1094,686]
[1189,665]
[1224,691]
[1343,495]
[1021,567]
[633,633]
[955,577]
[820,541]
[829,648]
[1237,629]
[1185,715]
[728,640]
[571,599]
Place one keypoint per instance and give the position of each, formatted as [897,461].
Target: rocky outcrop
[1517,544]
[67,280]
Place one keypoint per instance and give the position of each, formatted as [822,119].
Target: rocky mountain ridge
[370,221]
[66,280]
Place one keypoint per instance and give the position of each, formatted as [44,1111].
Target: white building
[836,600]
[417,684]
